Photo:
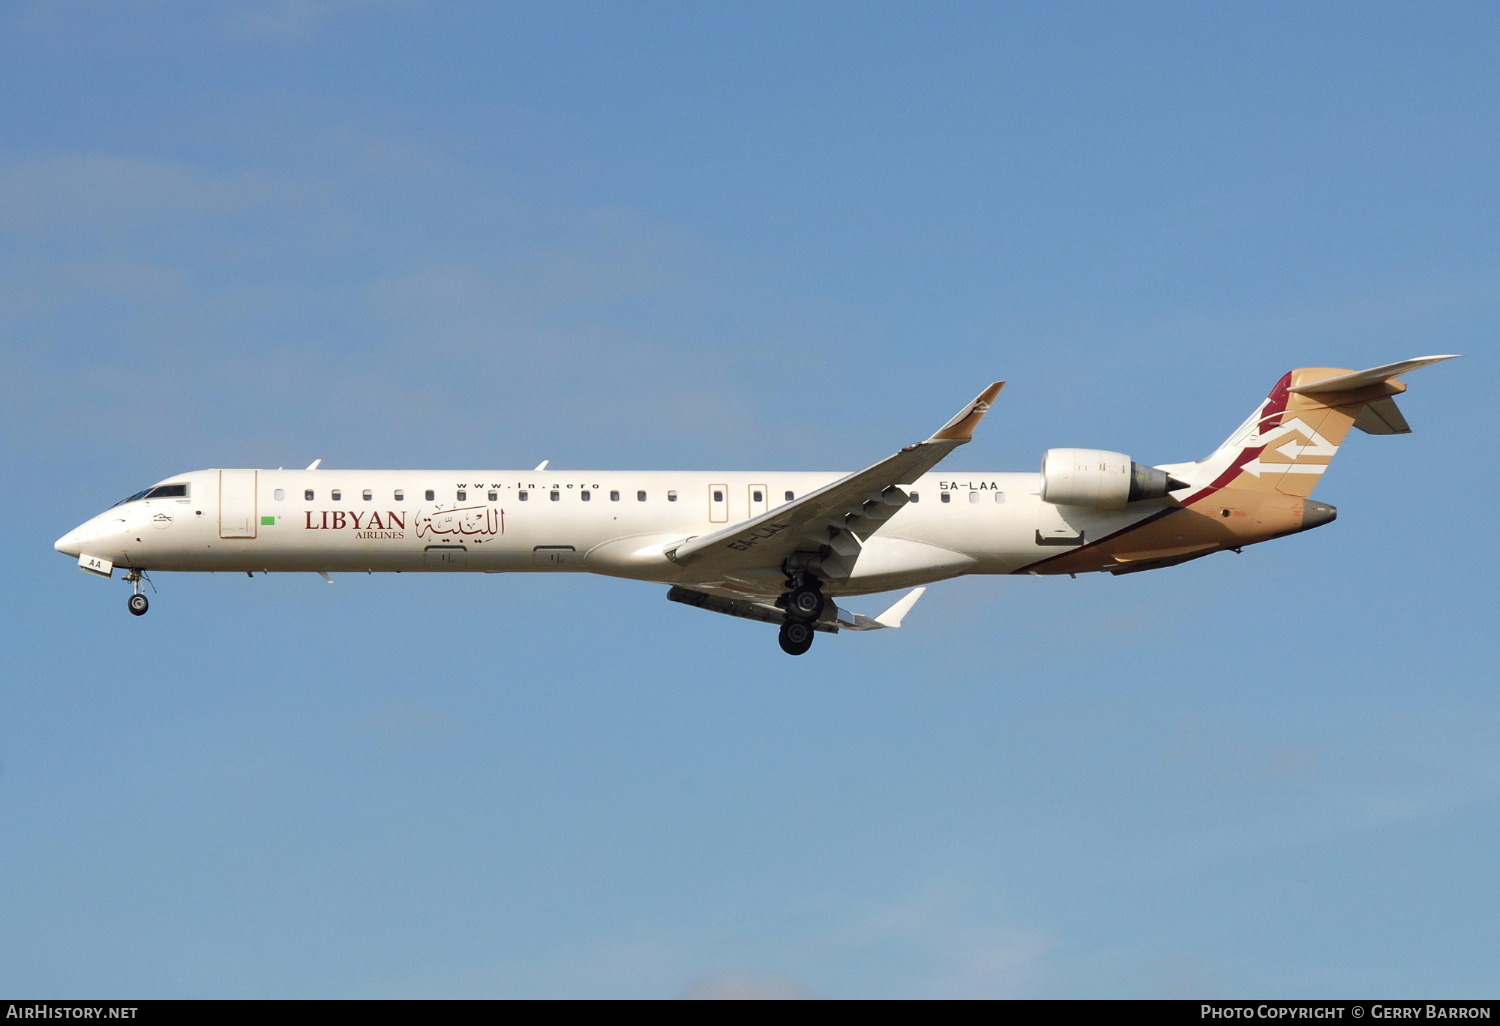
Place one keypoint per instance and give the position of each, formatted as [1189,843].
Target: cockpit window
[166,491]
[131,498]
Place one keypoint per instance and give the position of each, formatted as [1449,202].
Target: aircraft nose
[68,544]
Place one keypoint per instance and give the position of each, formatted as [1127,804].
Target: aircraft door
[759,499]
[237,503]
[718,503]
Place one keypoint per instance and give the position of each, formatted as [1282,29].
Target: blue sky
[671,235]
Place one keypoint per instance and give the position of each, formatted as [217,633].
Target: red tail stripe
[1275,405]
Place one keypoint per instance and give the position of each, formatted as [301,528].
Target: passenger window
[336,495]
[523,495]
[556,495]
[280,494]
[916,497]
[640,496]
[973,497]
[368,495]
[494,496]
[947,496]
[400,496]
[788,496]
[671,496]
[614,496]
[718,495]
[587,495]
[757,496]
[431,495]
[463,496]
[999,496]
[307,496]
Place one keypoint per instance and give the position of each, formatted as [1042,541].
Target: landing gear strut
[137,603]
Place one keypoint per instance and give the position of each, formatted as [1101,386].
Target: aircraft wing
[837,516]
[757,606]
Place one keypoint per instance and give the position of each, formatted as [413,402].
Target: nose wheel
[138,603]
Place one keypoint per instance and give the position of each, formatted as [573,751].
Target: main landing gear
[796,637]
[804,603]
[137,603]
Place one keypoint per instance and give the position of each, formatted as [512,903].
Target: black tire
[805,603]
[138,604]
[796,637]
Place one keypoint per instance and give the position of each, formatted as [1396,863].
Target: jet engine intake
[1099,479]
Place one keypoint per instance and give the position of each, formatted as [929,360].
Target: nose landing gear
[138,603]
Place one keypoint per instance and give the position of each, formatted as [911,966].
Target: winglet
[1373,376]
[893,616]
[961,428]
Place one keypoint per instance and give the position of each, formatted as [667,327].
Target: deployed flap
[836,515]
[729,604]
[1361,379]
[1382,417]
[757,607]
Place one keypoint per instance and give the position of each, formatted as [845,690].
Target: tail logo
[1301,442]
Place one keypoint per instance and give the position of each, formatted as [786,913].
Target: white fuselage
[619,523]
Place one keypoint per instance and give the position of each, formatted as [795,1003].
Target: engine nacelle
[1100,480]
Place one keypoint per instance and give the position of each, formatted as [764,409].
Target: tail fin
[1288,442]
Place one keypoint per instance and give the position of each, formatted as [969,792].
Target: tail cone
[1316,514]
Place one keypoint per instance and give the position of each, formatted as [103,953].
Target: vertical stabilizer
[1288,442]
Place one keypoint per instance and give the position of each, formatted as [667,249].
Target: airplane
[782,547]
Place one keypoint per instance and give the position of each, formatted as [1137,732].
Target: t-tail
[1288,442]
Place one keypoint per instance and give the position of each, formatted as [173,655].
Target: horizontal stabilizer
[1373,376]
[1382,417]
